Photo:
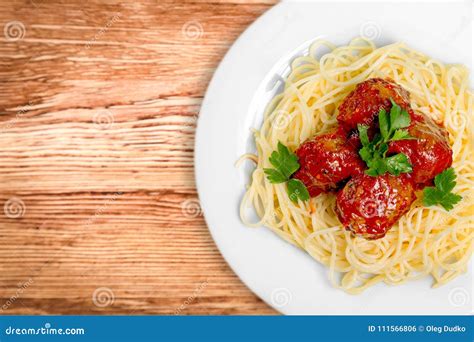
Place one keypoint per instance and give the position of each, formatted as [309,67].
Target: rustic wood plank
[98,109]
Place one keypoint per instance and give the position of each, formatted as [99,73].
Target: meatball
[363,104]
[327,160]
[370,206]
[429,154]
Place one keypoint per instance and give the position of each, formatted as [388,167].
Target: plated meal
[364,161]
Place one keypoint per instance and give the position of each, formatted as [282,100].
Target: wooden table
[98,104]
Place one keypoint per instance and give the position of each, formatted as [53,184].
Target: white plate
[249,75]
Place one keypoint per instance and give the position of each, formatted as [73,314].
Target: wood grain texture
[98,109]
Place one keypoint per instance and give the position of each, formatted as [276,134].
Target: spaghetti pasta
[426,240]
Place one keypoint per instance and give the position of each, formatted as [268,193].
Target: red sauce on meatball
[370,206]
[327,160]
[363,104]
[429,154]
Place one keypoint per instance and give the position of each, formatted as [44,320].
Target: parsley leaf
[398,118]
[430,196]
[441,192]
[284,161]
[446,181]
[383,123]
[285,164]
[401,134]
[450,200]
[398,164]
[377,167]
[364,138]
[297,190]
[392,128]
[275,176]
[366,153]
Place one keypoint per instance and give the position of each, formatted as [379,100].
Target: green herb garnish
[392,128]
[286,163]
[296,189]
[441,192]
